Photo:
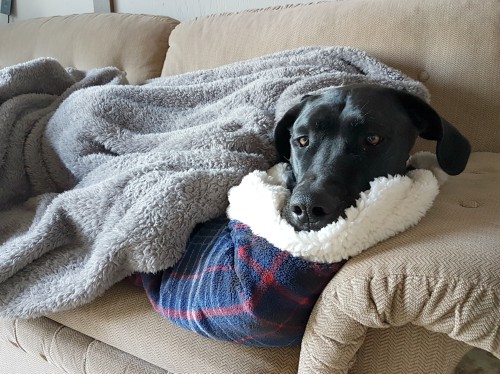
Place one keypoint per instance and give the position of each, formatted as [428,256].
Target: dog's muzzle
[311,211]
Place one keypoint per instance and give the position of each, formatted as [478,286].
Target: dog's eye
[303,141]
[373,139]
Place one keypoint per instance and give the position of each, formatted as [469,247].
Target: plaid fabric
[232,285]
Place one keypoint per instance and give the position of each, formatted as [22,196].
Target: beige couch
[412,304]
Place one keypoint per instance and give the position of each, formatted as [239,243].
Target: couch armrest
[443,275]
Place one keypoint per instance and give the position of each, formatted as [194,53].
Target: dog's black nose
[306,212]
[309,211]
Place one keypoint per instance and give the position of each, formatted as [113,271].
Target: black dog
[340,140]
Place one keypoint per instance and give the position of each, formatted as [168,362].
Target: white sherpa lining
[391,205]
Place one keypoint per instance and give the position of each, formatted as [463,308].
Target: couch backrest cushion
[451,45]
[136,44]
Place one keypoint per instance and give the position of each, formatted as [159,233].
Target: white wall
[179,9]
[24,9]
[186,9]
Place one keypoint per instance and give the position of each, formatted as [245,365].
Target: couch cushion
[136,44]
[14,360]
[124,318]
[48,342]
[450,45]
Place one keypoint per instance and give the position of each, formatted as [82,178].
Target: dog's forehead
[366,95]
[316,115]
[353,103]
[332,105]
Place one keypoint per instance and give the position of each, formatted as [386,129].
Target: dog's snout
[306,211]
[311,211]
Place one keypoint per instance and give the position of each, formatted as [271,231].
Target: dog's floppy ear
[452,149]
[282,129]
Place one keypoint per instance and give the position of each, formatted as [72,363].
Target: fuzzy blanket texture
[234,283]
[100,179]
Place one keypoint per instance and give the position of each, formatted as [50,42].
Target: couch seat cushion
[124,318]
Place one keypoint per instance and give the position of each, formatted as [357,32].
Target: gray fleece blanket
[100,179]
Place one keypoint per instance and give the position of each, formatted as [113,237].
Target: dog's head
[338,141]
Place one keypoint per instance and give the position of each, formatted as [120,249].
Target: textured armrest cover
[443,275]
[133,43]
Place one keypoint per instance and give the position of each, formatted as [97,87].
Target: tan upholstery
[14,360]
[124,319]
[136,44]
[65,349]
[452,46]
[388,351]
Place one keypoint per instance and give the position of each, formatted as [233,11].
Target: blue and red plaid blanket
[232,285]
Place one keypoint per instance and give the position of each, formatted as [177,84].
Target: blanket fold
[99,179]
[29,94]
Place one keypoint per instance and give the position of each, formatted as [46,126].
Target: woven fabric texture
[386,351]
[14,360]
[54,348]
